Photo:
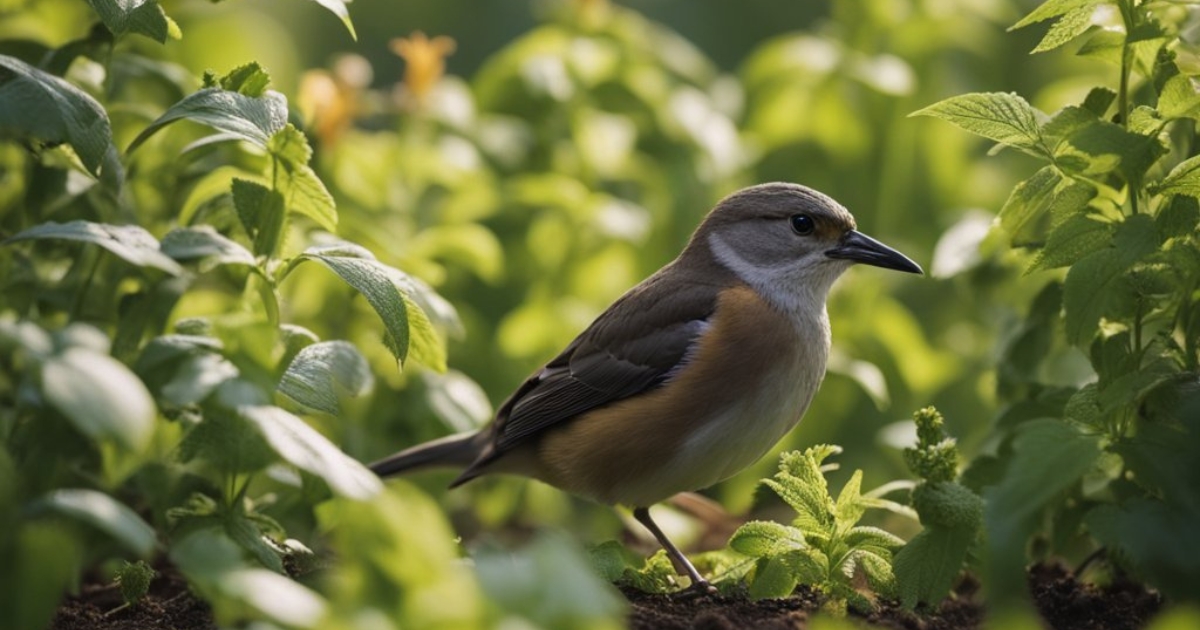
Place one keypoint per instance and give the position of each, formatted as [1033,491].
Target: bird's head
[787,240]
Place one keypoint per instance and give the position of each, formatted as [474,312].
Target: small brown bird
[692,375]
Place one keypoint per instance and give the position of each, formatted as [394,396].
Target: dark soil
[1065,604]
[168,604]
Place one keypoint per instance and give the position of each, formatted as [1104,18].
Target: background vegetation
[466,201]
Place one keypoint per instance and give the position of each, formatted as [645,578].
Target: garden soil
[1065,604]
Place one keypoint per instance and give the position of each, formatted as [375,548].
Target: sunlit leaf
[262,212]
[1003,117]
[144,17]
[338,8]
[324,372]
[100,396]
[106,514]
[302,190]
[1071,25]
[204,243]
[1075,238]
[253,119]
[41,106]
[131,242]
[303,447]
[1047,192]
[1053,8]
[763,539]
[459,401]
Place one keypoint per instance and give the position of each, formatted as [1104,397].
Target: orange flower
[330,101]
[425,61]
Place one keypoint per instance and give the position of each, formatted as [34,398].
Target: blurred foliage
[176,381]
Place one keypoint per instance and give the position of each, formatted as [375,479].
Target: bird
[689,377]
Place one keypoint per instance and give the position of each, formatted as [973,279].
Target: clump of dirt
[1064,602]
[169,603]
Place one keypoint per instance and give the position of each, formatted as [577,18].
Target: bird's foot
[698,589]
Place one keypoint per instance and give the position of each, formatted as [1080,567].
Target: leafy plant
[1115,205]
[824,546]
[133,578]
[952,516]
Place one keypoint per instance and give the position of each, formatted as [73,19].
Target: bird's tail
[459,450]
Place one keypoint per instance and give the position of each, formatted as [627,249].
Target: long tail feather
[452,451]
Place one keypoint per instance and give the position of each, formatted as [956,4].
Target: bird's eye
[803,224]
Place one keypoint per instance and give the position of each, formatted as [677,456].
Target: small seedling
[824,547]
[952,516]
[133,578]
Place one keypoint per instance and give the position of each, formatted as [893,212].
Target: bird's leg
[699,584]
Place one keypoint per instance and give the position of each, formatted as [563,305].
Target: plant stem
[1128,16]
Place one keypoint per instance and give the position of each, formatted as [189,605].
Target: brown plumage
[690,376]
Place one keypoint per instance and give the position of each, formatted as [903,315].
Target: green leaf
[763,539]
[1179,98]
[408,328]
[247,79]
[1047,192]
[1179,218]
[1184,179]
[100,396]
[1101,147]
[1003,117]
[1094,286]
[872,538]
[262,212]
[927,566]
[41,106]
[322,373]
[338,8]
[458,401]
[206,244]
[849,506]
[302,190]
[106,514]
[131,242]
[247,535]
[1076,237]
[1052,8]
[144,17]
[773,579]
[1072,24]
[249,118]
[305,448]
[1158,538]
[948,504]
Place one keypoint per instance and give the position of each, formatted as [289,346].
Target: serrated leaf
[253,119]
[303,447]
[1179,218]
[100,396]
[41,106]
[1048,456]
[322,373]
[878,569]
[131,242]
[762,539]
[1047,192]
[773,579]
[1101,147]
[872,538]
[1003,117]
[926,567]
[248,80]
[1071,25]
[849,505]
[1093,286]
[1052,8]
[948,504]
[204,243]
[1184,179]
[262,212]
[106,514]
[144,17]
[408,329]
[1179,98]
[1070,241]
[302,190]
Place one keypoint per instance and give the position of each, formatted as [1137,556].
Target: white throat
[793,287]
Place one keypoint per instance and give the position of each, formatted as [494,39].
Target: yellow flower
[425,61]
[330,101]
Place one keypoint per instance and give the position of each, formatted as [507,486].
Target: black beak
[859,247]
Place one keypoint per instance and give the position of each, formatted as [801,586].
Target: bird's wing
[637,344]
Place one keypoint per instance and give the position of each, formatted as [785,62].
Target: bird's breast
[750,378]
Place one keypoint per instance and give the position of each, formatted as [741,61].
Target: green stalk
[1129,17]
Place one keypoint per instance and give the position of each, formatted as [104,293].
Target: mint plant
[1116,205]
[824,547]
[950,513]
